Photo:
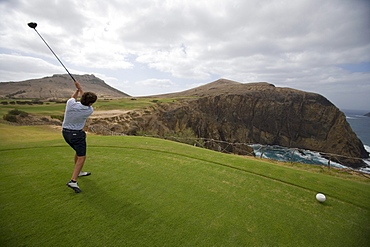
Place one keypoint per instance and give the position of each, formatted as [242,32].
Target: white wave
[356,117]
[367,162]
[366,169]
[286,154]
[317,157]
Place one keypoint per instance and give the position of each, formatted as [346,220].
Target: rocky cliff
[251,113]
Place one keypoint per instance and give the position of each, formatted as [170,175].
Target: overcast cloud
[148,47]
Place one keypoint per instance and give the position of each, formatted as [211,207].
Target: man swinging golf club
[75,117]
[74,120]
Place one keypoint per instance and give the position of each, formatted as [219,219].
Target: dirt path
[110,113]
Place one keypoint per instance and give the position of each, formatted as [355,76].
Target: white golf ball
[320,197]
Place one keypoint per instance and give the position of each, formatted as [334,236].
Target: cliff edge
[253,113]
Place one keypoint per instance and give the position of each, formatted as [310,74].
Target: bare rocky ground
[107,114]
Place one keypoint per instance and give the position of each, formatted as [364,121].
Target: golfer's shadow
[110,206]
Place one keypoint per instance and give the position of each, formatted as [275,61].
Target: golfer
[75,117]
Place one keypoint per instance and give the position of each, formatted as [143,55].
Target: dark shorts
[77,140]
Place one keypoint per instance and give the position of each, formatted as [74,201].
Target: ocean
[359,123]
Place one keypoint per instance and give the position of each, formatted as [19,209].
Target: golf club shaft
[55,55]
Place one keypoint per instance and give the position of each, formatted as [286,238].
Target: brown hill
[219,87]
[57,86]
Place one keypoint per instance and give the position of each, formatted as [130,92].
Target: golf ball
[320,197]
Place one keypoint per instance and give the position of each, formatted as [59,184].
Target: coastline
[359,124]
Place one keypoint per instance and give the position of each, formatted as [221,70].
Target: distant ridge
[57,86]
[218,87]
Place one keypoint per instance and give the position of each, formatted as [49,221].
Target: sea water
[292,155]
[359,123]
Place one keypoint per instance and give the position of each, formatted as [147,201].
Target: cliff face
[256,113]
[273,117]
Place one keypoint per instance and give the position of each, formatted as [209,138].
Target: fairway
[152,192]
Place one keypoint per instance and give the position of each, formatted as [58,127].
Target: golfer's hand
[78,86]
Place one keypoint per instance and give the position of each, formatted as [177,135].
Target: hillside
[219,87]
[57,86]
[249,113]
[228,111]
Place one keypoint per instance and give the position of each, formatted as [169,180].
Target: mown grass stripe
[332,196]
[242,170]
[151,192]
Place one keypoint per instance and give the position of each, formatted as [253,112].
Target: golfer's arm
[79,90]
[75,95]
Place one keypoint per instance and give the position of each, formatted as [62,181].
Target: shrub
[12,115]
[10,118]
[13,94]
[17,112]
[186,136]
[59,117]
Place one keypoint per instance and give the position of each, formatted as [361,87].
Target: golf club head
[32,25]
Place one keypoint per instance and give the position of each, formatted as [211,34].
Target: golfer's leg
[80,160]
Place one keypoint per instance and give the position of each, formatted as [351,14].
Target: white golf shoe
[74,185]
[82,174]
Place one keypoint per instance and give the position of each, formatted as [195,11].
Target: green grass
[45,109]
[152,192]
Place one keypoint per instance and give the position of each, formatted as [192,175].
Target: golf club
[34,25]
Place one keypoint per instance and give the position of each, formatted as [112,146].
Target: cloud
[142,87]
[163,83]
[301,44]
[23,68]
[298,36]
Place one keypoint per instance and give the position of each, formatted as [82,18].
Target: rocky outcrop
[303,120]
[254,113]
[57,86]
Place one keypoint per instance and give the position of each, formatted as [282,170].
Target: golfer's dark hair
[88,98]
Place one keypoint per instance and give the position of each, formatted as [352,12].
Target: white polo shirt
[76,114]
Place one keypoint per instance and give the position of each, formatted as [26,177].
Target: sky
[151,47]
